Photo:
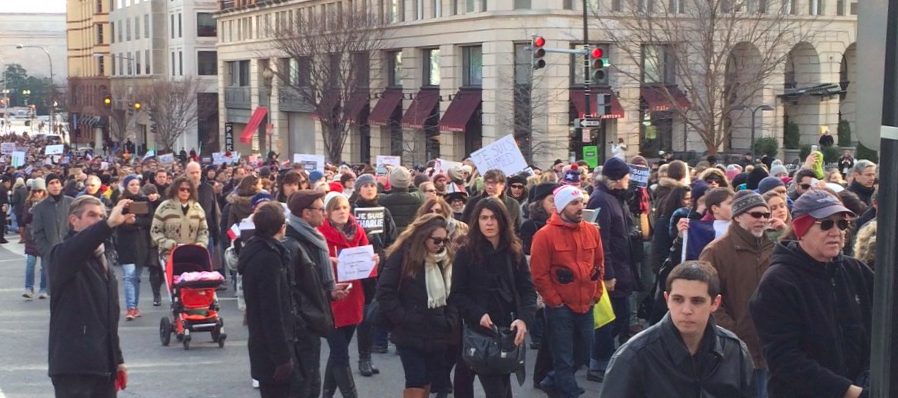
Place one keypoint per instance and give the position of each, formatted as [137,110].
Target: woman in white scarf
[413,292]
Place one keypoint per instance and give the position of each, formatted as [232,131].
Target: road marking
[7,260]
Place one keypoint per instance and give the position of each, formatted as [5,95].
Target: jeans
[604,345]
[380,337]
[308,352]
[131,279]
[761,382]
[421,368]
[29,274]
[570,339]
[338,341]
[15,221]
[539,323]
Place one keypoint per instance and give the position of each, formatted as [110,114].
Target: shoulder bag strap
[514,287]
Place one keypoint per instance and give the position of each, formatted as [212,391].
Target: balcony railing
[238,97]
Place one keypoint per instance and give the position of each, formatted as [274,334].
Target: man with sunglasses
[741,256]
[803,181]
[813,308]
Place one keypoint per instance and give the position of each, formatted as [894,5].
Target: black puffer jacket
[310,292]
[537,220]
[84,307]
[813,321]
[614,217]
[132,241]
[402,205]
[404,302]
[380,242]
[721,368]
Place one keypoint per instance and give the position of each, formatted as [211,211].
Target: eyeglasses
[183,189]
[517,186]
[439,241]
[759,214]
[826,225]
[805,186]
[321,209]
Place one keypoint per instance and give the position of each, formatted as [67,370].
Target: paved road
[205,371]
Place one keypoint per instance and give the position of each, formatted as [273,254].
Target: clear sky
[7,6]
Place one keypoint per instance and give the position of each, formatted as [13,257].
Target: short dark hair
[701,271]
[804,173]
[495,175]
[716,196]
[269,218]
[677,170]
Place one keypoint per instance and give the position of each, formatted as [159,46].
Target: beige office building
[87,33]
[451,76]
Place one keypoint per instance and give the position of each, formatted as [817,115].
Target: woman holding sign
[342,231]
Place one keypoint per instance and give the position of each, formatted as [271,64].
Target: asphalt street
[205,370]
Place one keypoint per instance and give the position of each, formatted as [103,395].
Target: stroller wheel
[221,340]
[186,342]
[165,331]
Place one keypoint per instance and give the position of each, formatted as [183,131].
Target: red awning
[253,124]
[658,99]
[383,111]
[460,110]
[421,108]
[357,101]
[578,98]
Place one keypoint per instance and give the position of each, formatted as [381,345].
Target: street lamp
[753,112]
[6,107]
[52,90]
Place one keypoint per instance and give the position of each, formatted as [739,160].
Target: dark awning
[460,110]
[383,111]
[820,90]
[357,102]
[578,98]
[421,108]
[658,99]
[328,102]
[246,136]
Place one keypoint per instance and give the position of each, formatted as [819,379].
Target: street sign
[590,122]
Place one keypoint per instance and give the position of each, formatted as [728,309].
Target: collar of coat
[709,348]
[742,238]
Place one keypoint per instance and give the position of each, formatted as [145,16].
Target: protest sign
[503,154]
[18,159]
[371,219]
[7,147]
[640,175]
[394,161]
[104,165]
[354,263]
[53,150]
[442,166]
[309,162]
[166,159]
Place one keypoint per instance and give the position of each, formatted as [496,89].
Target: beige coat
[170,225]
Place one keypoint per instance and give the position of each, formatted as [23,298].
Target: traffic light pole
[586,61]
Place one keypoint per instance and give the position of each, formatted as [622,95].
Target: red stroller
[191,287]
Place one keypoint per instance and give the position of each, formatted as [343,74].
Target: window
[146,26]
[136,28]
[173,70]
[146,60]
[658,64]
[473,66]
[676,6]
[180,19]
[99,9]
[362,69]
[437,8]
[525,4]
[172,30]
[790,7]
[113,66]
[180,63]
[128,29]
[523,66]
[646,6]
[469,6]
[394,11]
[453,7]
[205,25]
[432,67]
[852,7]
[815,7]
[207,63]
[130,64]
[419,9]
[99,34]
[290,68]
[137,62]
[483,5]
[112,31]
[100,66]
[394,65]
[762,6]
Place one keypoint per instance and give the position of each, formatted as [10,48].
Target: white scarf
[437,280]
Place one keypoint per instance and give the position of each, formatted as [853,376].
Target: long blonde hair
[411,244]
[865,246]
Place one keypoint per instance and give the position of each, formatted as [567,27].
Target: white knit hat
[565,195]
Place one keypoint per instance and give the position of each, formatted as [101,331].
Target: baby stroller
[191,287]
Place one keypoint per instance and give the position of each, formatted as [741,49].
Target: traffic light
[136,106]
[597,64]
[537,52]
[107,102]
[32,110]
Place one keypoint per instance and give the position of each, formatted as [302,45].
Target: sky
[33,6]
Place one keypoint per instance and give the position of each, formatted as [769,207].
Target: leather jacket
[722,367]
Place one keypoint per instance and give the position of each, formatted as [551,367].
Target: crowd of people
[777,303]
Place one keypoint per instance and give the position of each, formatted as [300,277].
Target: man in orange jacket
[567,264]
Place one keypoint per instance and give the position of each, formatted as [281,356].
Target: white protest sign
[356,263]
[309,162]
[371,219]
[394,161]
[167,158]
[7,147]
[104,165]
[503,154]
[18,159]
[640,175]
[53,150]
[442,166]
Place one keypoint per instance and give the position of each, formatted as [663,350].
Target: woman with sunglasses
[413,292]
[714,178]
[457,229]
[492,286]
[179,220]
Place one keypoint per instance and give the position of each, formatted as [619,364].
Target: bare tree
[329,54]
[173,107]
[720,51]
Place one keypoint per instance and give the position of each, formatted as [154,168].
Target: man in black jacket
[209,203]
[270,308]
[5,182]
[85,355]
[813,308]
[686,354]
[863,179]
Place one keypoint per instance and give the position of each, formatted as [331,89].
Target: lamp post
[6,108]
[753,112]
[52,100]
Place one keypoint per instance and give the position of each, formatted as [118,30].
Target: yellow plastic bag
[602,312]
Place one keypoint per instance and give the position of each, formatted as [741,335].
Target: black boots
[328,385]
[366,366]
[343,377]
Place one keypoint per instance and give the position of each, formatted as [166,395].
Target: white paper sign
[442,166]
[7,147]
[53,150]
[309,162]
[394,161]
[18,159]
[503,154]
[104,165]
[167,158]
[356,263]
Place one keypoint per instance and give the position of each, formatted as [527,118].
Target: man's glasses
[805,186]
[826,225]
[439,241]
[517,186]
[759,214]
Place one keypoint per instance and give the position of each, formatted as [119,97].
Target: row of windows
[128,64]
[205,27]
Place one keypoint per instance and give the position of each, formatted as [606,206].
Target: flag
[699,234]
[150,153]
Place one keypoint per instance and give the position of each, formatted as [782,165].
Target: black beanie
[53,176]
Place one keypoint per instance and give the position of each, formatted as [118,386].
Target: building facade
[35,29]
[87,33]
[456,75]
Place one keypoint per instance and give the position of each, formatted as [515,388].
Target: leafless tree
[172,106]
[331,56]
[720,51]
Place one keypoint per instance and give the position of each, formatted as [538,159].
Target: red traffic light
[597,53]
[32,106]
[539,41]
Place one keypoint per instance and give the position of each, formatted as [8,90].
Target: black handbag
[376,317]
